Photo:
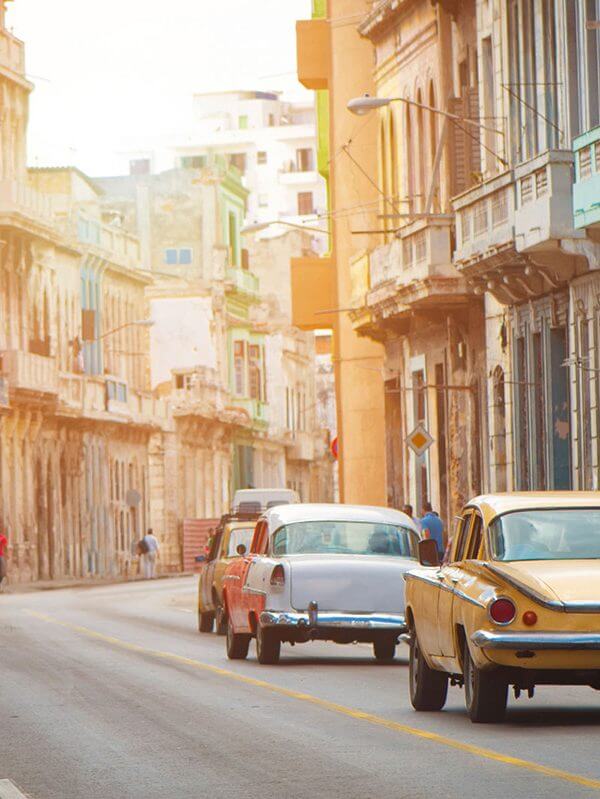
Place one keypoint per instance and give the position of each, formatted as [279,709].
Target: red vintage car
[243,607]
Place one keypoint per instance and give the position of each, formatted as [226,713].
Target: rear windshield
[239,535]
[345,538]
[568,534]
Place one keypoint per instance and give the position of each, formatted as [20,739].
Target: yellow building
[336,62]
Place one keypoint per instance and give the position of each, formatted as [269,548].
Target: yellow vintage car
[516,604]
[232,539]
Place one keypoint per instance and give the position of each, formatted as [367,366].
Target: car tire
[384,649]
[486,694]
[220,621]
[428,687]
[237,643]
[268,645]
[205,622]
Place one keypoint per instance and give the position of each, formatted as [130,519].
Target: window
[239,367]
[181,256]
[193,162]
[556,534]
[271,120]
[238,160]
[344,538]
[263,200]
[254,371]
[585,163]
[243,122]
[461,534]
[233,239]
[305,159]
[305,203]
[475,537]
[261,157]
[185,256]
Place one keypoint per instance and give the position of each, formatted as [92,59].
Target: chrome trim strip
[437,583]
[577,606]
[487,639]
[358,621]
[247,590]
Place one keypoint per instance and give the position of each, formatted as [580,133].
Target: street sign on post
[419,440]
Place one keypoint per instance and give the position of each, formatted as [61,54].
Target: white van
[257,500]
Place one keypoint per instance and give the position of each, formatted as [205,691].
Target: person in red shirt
[3,545]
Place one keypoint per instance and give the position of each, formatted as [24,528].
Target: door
[450,575]
[207,574]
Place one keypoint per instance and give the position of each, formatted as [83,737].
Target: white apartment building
[271,141]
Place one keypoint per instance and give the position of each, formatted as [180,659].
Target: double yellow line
[334,707]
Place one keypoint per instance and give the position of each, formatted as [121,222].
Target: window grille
[585,163]
[527,190]
[541,182]
[480,218]
[499,209]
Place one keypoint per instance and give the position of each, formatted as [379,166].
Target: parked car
[257,500]
[328,572]
[232,537]
[517,604]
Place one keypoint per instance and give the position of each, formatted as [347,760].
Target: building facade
[479,277]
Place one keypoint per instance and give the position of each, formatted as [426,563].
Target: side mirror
[200,558]
[241,549]
[428,553]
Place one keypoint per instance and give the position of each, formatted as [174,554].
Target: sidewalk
[83,582]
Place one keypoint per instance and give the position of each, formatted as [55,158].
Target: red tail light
[502,611]
[278,576]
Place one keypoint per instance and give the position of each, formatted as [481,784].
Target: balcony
[544,201]
[120,247]
[12,53]
[586,191]
[198,393]
[25,208]
[29,374]
[86,397]
[298,177]
[313,292]
[256,411]
[313,53]
[301,448]
[415,270]
[241,281]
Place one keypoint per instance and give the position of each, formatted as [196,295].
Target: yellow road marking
[433,737]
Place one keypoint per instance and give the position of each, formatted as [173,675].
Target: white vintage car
[328,572]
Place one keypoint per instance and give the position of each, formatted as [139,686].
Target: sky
[110,75]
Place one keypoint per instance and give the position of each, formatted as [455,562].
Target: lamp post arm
[447,114]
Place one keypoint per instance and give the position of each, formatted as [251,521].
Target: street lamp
[136,323]
[363,105]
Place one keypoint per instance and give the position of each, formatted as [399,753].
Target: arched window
[433,145]
[409,187]
[393,179]
[420,153]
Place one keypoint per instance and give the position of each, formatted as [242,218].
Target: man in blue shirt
[432,527]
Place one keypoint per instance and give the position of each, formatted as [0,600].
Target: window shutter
[88,325]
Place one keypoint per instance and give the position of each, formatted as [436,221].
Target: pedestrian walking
[148,550]
[408,510]
[3,570]
[433,527]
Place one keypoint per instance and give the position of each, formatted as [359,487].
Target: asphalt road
[111,693]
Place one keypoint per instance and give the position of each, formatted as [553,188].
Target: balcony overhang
[313,292]
[313,52]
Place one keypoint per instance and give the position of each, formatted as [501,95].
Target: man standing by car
[432,527]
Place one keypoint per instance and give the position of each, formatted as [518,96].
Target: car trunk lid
[351,584]
[565,580]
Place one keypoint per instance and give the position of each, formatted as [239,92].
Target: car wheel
[486,694]
[428,687]
[268,645]
[205,622]
[384,649]
[237,644]
[221,621]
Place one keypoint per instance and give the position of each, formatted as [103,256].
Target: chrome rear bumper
[486,639]
[330,618]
